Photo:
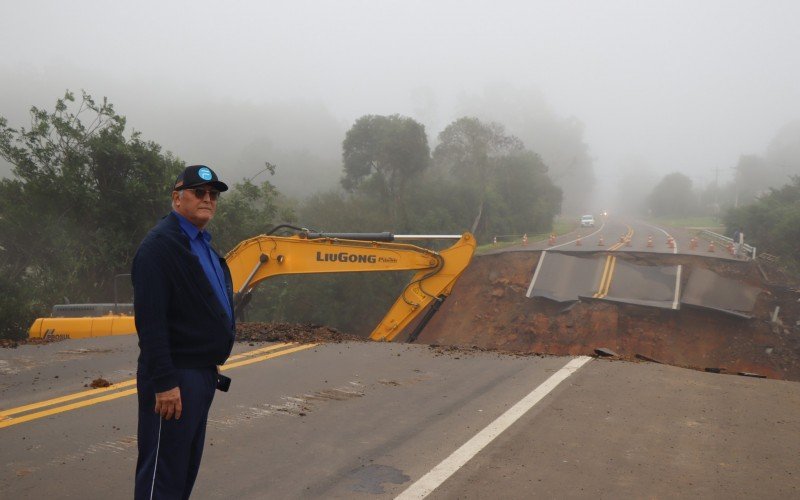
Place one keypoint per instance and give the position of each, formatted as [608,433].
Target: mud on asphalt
[312,333]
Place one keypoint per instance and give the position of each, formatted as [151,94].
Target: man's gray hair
[180,195]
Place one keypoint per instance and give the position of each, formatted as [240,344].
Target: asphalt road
[369,420]
[631,235]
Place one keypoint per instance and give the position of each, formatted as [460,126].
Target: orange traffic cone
[578,241]
[693,243]
[600,242]
[731,249]
[525,239]
[552,240]
[650,241]
[711,246]
[671,242]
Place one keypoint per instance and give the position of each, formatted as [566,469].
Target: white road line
[573,241]
[439,474]
[677,287]
[535,274]
[675,249]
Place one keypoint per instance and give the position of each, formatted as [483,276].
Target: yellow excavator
[305,252]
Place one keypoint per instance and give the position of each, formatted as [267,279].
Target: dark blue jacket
[180,321]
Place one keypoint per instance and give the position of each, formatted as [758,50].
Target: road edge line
[578,238]
[536,274]
[447,467]
[676,300]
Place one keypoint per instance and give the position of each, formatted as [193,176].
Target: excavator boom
[262,257]
[259,258]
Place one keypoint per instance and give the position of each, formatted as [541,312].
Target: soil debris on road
[14,343]
[99,382]
[292,332]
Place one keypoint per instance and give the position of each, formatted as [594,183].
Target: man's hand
[168,403]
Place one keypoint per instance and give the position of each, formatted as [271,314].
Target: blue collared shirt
[209,259]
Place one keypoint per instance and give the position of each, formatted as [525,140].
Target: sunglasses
[200,193]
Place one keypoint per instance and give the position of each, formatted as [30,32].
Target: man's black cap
[197,175]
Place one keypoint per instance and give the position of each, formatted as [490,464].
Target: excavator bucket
[426,289]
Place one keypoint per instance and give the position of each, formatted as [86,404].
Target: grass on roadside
[705,222]
[561,225]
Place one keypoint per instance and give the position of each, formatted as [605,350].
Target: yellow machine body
[84,327]
[262,257]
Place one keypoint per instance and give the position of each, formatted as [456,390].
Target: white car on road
[587,220]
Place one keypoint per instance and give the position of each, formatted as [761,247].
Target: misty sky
[676,85]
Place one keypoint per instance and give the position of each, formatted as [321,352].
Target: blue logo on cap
[205,173]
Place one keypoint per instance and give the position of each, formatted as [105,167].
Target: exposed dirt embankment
[488,309]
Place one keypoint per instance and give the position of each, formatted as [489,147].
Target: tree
[248,210]
[353,302]
[83,195]
[381,154]
[757,174]
[559,141]
[525,200]
[673,196]
[750,179]
[470,150]
[772,223]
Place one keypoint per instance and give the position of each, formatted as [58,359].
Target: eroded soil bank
[488,309]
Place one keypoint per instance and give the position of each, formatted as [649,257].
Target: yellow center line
[117,386]
[610,276]
[258,351]
[266,356]
[608,270]
[603,278]
[620,244]
[246,358]
[69,397]
[61,409]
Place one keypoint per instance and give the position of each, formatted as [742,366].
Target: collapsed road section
[683,310]
[708,290]
[568,278]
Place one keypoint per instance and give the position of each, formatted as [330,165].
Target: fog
[606,92]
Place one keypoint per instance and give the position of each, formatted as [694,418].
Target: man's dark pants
[170,450]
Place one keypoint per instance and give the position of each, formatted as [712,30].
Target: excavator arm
[262,257]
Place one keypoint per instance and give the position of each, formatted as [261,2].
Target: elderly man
[184,318]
